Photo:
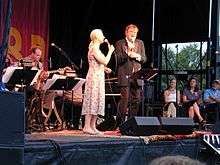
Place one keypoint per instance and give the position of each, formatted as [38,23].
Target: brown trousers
[129,102]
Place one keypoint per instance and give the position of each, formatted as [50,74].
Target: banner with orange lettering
[29,28]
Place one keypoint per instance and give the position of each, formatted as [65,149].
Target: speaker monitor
[140,126]
[12,118]
[177,125]
[216,128]
[12,127]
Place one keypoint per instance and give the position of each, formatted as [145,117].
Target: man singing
[130,54]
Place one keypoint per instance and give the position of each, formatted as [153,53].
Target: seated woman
[192,98]
[171,101]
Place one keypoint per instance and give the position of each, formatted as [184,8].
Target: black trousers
[130,100]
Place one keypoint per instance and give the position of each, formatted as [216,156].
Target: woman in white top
[171,102]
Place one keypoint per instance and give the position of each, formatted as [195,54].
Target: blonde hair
[93,36]
[94,33]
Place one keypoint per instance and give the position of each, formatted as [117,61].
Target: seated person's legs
[169,110]
[197,112]
[172,110]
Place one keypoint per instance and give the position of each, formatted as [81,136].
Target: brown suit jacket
[125,63]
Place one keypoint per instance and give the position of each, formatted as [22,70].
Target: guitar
[45,74]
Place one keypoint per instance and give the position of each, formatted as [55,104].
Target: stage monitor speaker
[216,128]
[140,126]
[175,126]
[12,127]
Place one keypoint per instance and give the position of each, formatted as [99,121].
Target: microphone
[106,41]
[54,45]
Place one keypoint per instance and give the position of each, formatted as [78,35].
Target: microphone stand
[68,58]
[74,66]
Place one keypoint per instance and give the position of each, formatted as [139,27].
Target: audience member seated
[192,98]
[171,101]
[212,102]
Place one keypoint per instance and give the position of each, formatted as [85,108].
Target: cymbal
[111,79]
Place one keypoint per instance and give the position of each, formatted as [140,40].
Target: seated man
[34,59]
[212,101]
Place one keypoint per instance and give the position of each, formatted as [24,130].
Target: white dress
[94,95]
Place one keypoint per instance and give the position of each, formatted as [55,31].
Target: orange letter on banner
[37,40]
[15,43]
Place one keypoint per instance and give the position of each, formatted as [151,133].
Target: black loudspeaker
[216,128]
[140,126]
[12,127]
[176,126]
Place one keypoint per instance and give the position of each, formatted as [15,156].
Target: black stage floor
[74,147]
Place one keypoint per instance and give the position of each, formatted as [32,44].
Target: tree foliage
[188,58]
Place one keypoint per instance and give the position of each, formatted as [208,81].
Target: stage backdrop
[29,28]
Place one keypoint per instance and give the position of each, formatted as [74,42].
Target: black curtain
[71,24]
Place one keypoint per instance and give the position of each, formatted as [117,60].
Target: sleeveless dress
[94,95]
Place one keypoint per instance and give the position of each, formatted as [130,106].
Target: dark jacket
[125,63]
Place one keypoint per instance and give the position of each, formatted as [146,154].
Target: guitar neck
[53,71]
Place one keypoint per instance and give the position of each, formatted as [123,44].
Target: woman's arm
[166,93]
[178,97]
[100,56]
[185,99]
[107,70]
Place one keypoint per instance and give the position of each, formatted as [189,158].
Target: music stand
[144,74]
[24,77]
[59,82]
[76,88]
[20,76]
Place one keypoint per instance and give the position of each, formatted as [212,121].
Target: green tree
[188,58]
[168,59]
